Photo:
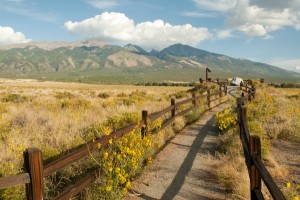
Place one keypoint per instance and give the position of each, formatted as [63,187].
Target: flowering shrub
[225,120]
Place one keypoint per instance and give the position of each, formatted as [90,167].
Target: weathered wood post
[243,99]
[226,90]
[255,178]
[173,111]
[206,73]
[239,110]
[200,80]
[145,121]
[194,99]
[33,161]
[253,91]
[208,99]
[220,90]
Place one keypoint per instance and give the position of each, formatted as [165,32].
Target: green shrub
[15,98]
[103,95]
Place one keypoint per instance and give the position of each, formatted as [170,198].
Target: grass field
[56,117]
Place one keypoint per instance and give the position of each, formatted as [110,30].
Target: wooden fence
[33,159]
[252,151]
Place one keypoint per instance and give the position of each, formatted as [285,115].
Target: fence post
[255,178]
[253,91]
[208,99]
[226,90]
[173,111]
[200,80]
[33,162]
[243,99]
[220,90]
[194,99]
[239,112]
[145,121]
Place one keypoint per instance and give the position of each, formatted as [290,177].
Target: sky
[260,30]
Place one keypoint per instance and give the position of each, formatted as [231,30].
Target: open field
[56,117]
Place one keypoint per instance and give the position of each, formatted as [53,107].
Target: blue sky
[260,30]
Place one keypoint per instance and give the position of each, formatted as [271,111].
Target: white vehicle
[237,81]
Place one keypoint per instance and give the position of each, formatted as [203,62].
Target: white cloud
[289,64]
[256,18]
[103,4]
[256,21]
[116,27]
[216,5]
[197,15]
[224,34]
[9,36]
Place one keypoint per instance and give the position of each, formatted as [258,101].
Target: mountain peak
[135,48]
[184,51]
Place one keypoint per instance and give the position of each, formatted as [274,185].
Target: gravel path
[183,170]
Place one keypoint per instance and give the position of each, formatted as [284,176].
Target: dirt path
[182,169]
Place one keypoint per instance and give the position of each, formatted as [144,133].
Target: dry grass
[55,117]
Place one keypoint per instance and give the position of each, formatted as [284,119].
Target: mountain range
[96,61]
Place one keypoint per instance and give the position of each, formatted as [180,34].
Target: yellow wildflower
[105,155]
[108,188]
[110,141]
[128,184]
[99,145]
[296,198]
[288,185]
[125,191]
[110,169]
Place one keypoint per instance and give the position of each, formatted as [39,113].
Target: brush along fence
[252,151]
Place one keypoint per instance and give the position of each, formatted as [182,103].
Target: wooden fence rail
[36,171]
[252,151]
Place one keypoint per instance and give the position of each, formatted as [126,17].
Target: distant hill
[96,61]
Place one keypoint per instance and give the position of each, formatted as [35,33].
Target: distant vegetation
[285,85]
[175,84]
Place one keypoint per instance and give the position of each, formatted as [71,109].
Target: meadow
[56,117]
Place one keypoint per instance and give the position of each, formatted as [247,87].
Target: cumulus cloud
[103,4]
[9,36]
[117,27]
[256,18]
[257,21]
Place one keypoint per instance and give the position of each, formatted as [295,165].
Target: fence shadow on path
[187,164]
